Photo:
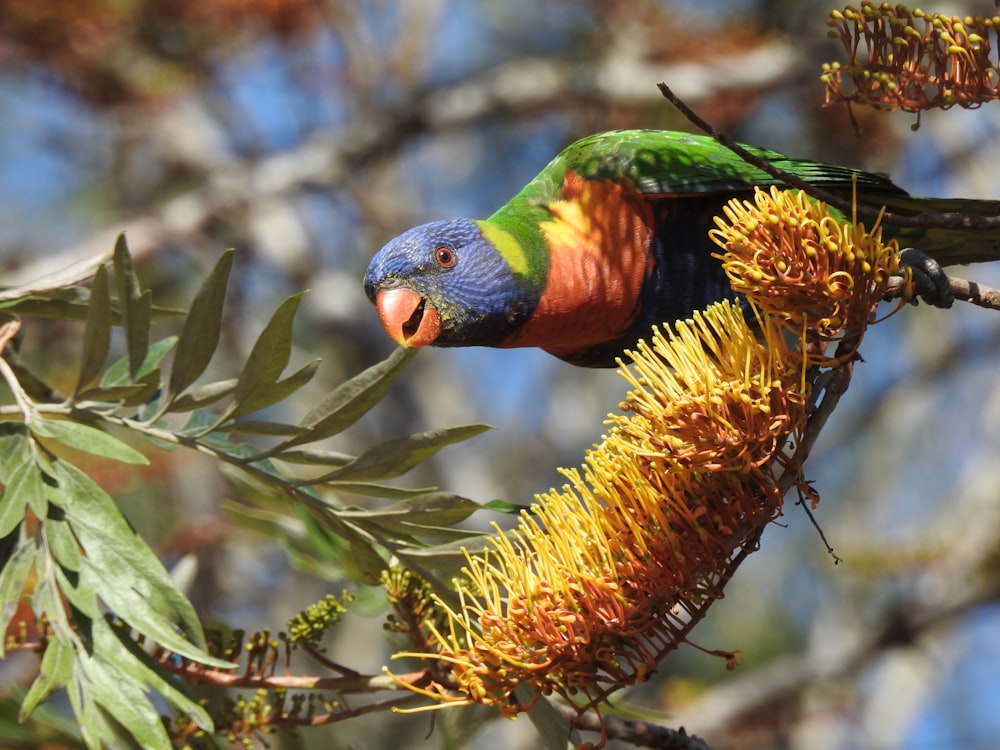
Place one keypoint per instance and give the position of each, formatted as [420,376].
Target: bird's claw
[928,281]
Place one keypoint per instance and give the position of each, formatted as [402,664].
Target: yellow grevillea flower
[912,60]
[803,264]
[595,582]
[602,577]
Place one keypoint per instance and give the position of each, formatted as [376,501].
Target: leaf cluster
[79,585]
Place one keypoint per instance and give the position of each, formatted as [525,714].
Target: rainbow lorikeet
[609,239]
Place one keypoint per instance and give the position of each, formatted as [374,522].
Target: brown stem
[328,663]
[342,714]
[950,220]
[636,732]
[963,289]
[360,683]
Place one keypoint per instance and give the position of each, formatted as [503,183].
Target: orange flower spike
[840,286]
[891,63]
[580,594]
[601,539]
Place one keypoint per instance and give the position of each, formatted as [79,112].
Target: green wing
[661,162]
[666,163]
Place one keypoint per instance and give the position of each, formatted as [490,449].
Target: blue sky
[53,151]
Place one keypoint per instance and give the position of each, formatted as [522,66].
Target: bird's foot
[928,281]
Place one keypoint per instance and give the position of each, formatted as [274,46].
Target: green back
[660,162]
[657,162]
[665,163]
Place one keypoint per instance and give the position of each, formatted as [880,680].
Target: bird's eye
[444,256]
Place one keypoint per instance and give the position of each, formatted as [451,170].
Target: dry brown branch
[761,692]
[638,733]
[951,220]
[911,60]
[963,289]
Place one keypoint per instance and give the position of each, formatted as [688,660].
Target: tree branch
[635,732]
[963,289]
[350,684]
[950,220]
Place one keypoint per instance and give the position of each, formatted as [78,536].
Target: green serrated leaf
[377,489]
[150,383]
[118,373]
[25,485]
[115,393]
[436,508]
[14,448]
[255,427]
[396,457]
[449,554]
[13,504]
[13,575]
[200,334]
[132,604]
[46,307]
[55,672]
[96,728]
[346,403]
[125,565]
[97,333]
[265,394]
[553,727]
[203,395]
[144,670]
[61,542]
[136,306]
[46,599]
[504,506]
[124,699]
[80,593]
[363,561]
[315,457]
[88,439]
[269,355]
[82,705]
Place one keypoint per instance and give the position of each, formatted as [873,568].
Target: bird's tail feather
[947,246]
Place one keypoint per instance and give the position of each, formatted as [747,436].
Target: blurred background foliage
[306,133]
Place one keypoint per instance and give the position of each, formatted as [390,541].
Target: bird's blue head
[446,284]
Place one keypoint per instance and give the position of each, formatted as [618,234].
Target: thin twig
[802,503]
[771,690]
[359,684]
[635,732]
[26,406]
[329,663]
[949,220]
[963,289]
[343,714]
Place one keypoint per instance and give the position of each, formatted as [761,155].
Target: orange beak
[407,317]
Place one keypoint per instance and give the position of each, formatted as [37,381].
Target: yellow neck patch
[509,248]
[571,225]
[598,240]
